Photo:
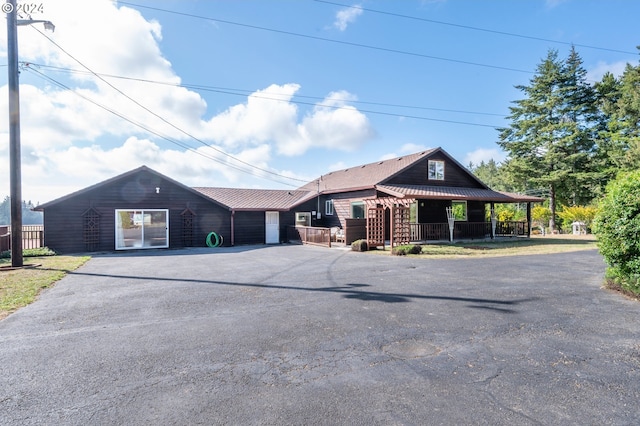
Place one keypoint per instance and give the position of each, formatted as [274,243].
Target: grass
[506,247]
[20,287]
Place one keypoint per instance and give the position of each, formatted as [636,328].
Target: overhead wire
[148,129]
[331,106]
[329,40]
[469,27]
[247,92]
[162,118]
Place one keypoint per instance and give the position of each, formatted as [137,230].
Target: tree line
[568,137]
[29,217]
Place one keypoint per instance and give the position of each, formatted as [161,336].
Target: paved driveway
[308,335]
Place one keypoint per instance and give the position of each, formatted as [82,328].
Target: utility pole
[14,137]
[15,174]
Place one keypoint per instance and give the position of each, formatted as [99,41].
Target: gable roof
[367,176]
[122,176]
[254,199]
[364,176]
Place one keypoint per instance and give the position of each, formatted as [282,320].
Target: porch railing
[466,230]
[512,229]
[429,231]
[32,237]
[310,235]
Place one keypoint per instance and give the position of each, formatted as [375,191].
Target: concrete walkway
[306,335]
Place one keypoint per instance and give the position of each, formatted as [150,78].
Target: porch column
[493,220]
[529,220]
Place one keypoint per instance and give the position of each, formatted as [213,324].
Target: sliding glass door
[138,229]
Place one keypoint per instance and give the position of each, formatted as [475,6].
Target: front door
[272,228]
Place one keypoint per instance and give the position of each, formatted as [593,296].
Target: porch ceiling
[454,193]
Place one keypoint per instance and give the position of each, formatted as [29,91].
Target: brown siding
[64,220]
[432,211]
[341,207]
[249,227]
[418,174]
[476,211]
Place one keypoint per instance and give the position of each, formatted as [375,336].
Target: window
[459,209]
[303,219]
[357,210]
[142,229]
[436,170]
[328,208]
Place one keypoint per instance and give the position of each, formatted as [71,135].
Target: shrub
[360,245]
[42,251]
[407,249]
[399,251]
[617,226]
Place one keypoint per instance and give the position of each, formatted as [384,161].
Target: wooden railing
[511,229]
[310,235]
[429,231]
[32,237]
[472,230]
[466,230]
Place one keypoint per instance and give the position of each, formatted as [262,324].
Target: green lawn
[20,287]
[507,247]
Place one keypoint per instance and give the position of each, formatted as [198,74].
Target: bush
[42,251]
[360,245]
[617,226]
[407,249]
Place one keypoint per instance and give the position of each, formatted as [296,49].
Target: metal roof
[363,176]
[454,193]
[254,199]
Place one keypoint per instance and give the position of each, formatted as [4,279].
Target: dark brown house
[423,188]
[406,198]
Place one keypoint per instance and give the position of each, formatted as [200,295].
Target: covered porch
[404,214]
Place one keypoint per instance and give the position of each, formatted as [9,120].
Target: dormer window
[436,170]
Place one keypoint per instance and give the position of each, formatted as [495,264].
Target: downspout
[233,231]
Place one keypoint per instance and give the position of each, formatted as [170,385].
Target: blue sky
[269,94]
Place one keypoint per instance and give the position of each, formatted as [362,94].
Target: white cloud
[69,143]
[347,16]
[407,148]
[412,148]
[596,73]
[484,154]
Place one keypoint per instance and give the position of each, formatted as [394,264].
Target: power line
[469,27]
[244,93]
[162,118]
[329,40]
[154,132]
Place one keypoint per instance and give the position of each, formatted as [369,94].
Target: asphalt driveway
[307,335]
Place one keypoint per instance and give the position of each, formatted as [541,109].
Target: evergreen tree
[619,125]
[492,175]
[549,141]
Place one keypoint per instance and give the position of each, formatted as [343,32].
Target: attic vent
[381,162]
[362,167]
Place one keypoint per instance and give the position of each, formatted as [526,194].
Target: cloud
[596,73]
[77,133]
[347,16]
[407,148]
[484,154]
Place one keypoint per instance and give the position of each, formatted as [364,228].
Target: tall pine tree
[549,142]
